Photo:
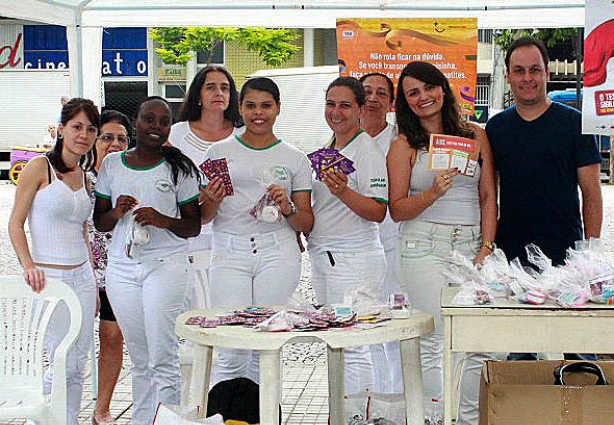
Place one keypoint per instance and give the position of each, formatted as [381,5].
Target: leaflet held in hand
[454,152]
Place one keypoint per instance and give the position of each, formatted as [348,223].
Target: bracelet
[426,201]
[489,244]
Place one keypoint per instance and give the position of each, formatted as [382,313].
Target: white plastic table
[269,344]
[512,327]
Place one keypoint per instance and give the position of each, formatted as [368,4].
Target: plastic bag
[496,273]
[136,236]
[180,415]
[265,209]
[369,408]
[462,272]
[282,321]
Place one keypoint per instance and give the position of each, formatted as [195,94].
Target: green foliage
[504,37]
[273,45]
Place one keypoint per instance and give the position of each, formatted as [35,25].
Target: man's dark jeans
[567,356]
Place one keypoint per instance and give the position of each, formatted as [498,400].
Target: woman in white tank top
[439,212]
[53,194]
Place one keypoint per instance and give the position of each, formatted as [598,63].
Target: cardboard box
[523,393]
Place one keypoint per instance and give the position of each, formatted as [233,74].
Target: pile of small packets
[265,319]
[587,275]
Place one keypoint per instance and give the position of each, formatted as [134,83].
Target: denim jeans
[423,254]
[533,356]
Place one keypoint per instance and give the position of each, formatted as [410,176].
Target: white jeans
[82,281]
[248,270]
[333,274]
[147,297]
[422,256]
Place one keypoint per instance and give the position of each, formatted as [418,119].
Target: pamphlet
[454,152]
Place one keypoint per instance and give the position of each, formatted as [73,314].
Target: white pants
[260,270]
[386,357]
[82,281]
[147,297]
[423,253]
[333,274]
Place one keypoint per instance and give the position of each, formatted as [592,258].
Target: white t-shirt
[252,171]
[388,229]
[338,228]
[152,187]
[183,138]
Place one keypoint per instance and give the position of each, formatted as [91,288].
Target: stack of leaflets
[454,152]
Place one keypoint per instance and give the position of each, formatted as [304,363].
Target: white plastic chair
[24,318]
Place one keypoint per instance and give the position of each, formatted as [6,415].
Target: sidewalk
[304,393]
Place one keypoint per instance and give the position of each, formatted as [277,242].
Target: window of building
[124,96]
[482,91]
[485,36]
[174,93]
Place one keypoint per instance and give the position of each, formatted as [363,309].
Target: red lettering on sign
[12,60]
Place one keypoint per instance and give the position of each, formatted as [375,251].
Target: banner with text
[598,96]
[387,45]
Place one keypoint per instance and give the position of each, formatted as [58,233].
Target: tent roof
[290,13]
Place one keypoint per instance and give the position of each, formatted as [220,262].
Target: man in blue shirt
[541,158]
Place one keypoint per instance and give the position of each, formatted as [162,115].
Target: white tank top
[56,224]
[460,204]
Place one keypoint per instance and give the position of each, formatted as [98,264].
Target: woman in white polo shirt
[210,113]
[256,259]
[346,254]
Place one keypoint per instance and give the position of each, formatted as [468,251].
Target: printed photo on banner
[598,96]
[387,45]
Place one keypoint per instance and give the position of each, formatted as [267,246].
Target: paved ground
[305,386]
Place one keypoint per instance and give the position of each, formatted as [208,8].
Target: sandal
[106,421]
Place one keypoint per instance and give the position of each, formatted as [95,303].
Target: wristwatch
[294,210]
[489,244]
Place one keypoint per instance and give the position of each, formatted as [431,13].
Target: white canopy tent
[85,19]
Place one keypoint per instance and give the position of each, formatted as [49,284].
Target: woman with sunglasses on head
[114,130]
[53,195]
[209,114]
[346,254]
[439,212]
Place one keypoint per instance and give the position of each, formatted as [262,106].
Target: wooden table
[510,326]
[269,344]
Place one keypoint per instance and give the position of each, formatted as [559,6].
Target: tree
[504,37]
[273,45]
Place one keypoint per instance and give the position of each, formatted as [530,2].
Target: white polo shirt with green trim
[252,171]
[336,227]
[152,187]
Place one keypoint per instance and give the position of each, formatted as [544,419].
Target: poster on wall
[387,45]
[598,96]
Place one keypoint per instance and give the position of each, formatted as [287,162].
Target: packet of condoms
[324,159]
[218,168]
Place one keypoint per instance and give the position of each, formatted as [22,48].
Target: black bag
[579,367]
[236,399]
